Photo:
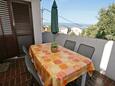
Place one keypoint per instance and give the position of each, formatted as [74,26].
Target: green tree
[72,34]
[91,31]
[105,27]
[106,23]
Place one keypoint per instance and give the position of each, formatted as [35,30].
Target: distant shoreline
[70,25]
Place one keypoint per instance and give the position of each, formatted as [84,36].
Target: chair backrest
[31,68]
[86,50]
[24,50]
[70,44]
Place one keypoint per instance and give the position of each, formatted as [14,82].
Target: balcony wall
[36,15]
[111,65]
[99,45]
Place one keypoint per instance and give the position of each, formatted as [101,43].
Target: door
[2,45]
[23,23]
[8,44]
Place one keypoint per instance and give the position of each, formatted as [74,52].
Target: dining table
[61,67]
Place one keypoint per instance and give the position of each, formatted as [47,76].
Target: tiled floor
[18,76]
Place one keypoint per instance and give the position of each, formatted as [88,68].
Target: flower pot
[54,50]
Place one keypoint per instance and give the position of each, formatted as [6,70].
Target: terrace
[20,24]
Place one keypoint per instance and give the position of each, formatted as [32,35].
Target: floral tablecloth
[58,69]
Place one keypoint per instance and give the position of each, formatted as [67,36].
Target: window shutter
[5,18]
[1,32]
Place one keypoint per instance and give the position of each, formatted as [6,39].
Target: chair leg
[32,82]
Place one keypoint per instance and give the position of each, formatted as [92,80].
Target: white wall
[36,15]
[111,65]
[46,37]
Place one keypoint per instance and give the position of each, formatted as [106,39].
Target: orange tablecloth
[58,69]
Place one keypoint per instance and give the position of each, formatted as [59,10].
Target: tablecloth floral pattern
[58,69]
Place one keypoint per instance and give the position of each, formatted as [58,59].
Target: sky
[77,11]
